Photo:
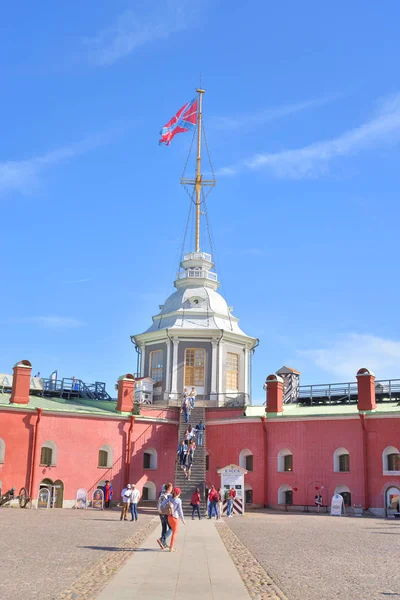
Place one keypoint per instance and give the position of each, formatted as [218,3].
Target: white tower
[195,340]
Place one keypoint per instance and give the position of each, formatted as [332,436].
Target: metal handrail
[333,393]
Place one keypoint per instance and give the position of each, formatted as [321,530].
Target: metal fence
[386,390]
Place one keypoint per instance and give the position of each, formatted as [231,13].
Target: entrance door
[58,493]
[346,498]
[392,500]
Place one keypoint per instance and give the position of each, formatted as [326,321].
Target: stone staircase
[198,471]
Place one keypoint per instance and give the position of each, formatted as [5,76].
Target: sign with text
[43,498]
[232,476]
[98,499]
[81,499]
[336,505]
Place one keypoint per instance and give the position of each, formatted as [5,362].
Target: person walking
[164,496]
[220,504]
[177,514]
[183,450]
[188,463]
[213,498]
[231,495]
[186,409]
[126,497]
[108,493]
[200,429]
[135,497]
[195,503]
[192,396]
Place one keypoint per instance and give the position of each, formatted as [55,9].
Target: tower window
[232,371]
[288,464]
[344,463]
[393,462]
[156,365]
[194,366]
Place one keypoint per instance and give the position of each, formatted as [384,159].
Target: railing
[76,387]
[223,400]
[197,256]
[197,274]
[386,390]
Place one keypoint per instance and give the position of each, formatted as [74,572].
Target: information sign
[98,499]
[81,498]
[336,505]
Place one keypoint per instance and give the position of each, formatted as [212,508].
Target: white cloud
[131,30]
[269,114]
[345,355]
[22,175]
[313,160]
[52,322]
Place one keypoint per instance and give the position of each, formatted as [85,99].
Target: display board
[81,498]
[232,476]
[43,498]
[98,499]
[336,505]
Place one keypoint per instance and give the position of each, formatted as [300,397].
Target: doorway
[392,500]
[56,491]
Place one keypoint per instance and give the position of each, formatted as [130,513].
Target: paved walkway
[201,568]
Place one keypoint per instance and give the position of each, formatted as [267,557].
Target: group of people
[130,497]
[188,402]
[216,501]
[186,448]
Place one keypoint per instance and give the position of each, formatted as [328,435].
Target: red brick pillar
[126,392]
[274,385]
[21,383]
[366,390]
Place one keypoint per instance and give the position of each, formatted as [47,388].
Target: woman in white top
[173,520]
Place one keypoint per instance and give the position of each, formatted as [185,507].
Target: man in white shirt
[135,497]
[126,497]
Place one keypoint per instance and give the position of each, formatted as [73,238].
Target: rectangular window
[146,460]
[249,496]
[145,493]
[46,456]
[207,462]
[232,371]
[288,466]
[194,367]
[249,462]
[393,462]
[156,365]
[344,463]
[103,458]
[289,497]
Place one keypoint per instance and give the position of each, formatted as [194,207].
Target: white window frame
[151,369]
[231,371]
[281,460]
[110,455]
[336,461]
[2,451]
[389,450]
[53,447]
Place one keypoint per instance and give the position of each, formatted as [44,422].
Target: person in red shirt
[195,503]
[213,500]
[231,497]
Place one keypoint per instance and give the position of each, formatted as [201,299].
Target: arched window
[344,491]
[285,461]
[48,454]
[285,494]
[341,460]
[393,499]
[391,461]
[157,365]
[246,459]
[2,451]
[105,457]
[194,366]
[149,491]
[150,458]
[232,371]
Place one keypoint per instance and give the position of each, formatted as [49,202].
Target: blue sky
[302,114]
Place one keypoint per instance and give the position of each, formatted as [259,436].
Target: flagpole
[198,184]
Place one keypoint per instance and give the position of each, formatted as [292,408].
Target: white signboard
[81,498]
[43,498]
[98,499]
[336,505]
[232,476]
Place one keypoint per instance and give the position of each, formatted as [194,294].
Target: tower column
[168,368]
[174,389]
[246,370]
[214,346]
[220,384]
[142,358]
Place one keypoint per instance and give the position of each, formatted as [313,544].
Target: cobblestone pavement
[318,557]
[47,551]
[259,584]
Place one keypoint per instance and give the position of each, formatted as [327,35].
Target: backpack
[165,506]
